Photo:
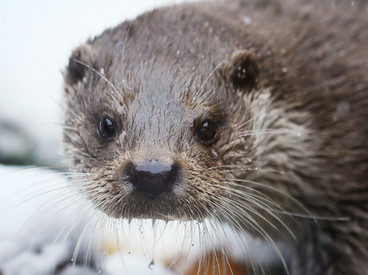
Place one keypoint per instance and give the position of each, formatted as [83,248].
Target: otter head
[168,129]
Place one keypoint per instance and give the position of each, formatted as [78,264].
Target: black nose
[152,177]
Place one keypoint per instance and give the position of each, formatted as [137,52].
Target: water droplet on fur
[214,153]
[151,264]
[352,3]
[102,71]
[72,259]
[247,20]
[82,161]
[284,70]
[178,52]
[299,134]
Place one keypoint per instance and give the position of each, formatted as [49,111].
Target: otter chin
[250,113]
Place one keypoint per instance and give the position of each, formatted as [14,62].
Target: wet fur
[293,150]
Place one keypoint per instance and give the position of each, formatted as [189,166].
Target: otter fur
[251,113]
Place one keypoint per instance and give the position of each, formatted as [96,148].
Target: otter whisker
[260,230]
[235,223]
[128,30]
[99,74]
[217,217]
[311,217]
[258,184]
[250,193]
[266,131]
[207,78]
[203,261]
[251,168]
[79,242]
[263,199]
[253,118]
[35,194]
[253,201]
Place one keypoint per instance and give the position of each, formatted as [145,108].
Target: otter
[251,113]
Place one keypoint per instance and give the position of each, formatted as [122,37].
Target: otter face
[162,135]
[155,140]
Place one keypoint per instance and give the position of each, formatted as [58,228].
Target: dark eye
[207,132]
[106,128]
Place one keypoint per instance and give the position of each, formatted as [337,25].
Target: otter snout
[152,177]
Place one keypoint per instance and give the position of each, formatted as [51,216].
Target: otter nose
[152,177]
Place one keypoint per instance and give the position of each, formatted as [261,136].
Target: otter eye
[106,128]
[207,132]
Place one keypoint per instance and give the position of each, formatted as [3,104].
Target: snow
[33,237]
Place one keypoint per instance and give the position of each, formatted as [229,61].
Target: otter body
[253,113]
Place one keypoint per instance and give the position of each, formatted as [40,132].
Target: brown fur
[288,92]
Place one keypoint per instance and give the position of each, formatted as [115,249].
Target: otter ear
[82,57]
[242,71]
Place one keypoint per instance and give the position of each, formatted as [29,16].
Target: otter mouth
[164,206]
